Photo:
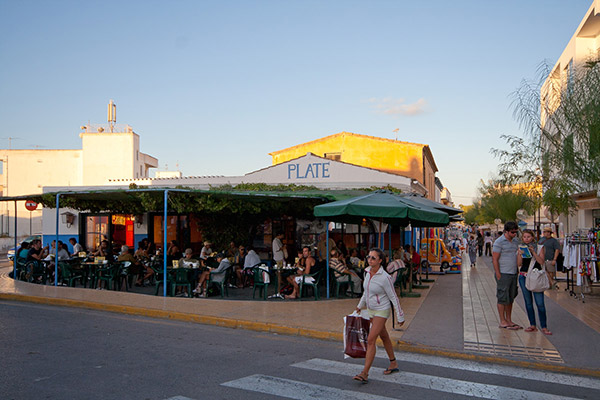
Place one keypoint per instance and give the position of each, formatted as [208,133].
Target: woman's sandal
[361,378]
[545,331]
[389,371]
[531,329]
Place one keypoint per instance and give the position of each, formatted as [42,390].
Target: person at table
[103,250]
[251,260]
[173,252]
[322,249]
[135,268]
[77,248]
[206,250]
[304,265]
[232,251]
[215,274]
[238,266]
[187,261]
[341,272]
[63,251]
[21,254]
[141,254]
[37,254]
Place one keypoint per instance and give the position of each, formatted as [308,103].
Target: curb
[291,331]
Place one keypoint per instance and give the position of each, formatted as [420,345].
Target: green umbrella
[382,206]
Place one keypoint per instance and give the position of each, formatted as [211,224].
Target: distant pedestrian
[504,258]
[479,243]
[473,247]
[487,241]
[524,262]
[552,250]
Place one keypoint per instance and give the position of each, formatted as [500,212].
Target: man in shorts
[552,250]
[504,258]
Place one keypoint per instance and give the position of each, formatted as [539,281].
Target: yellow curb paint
[286,330]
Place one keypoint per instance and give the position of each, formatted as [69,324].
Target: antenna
[112,114]
[10,139]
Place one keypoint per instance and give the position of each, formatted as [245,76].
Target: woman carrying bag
[378,297]
[525,255]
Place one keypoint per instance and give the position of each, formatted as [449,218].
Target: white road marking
[297,390]
[504,370]
[447,385]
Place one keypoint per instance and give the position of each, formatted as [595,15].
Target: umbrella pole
[420,286]
[410,267]
[427,265]
[390,241]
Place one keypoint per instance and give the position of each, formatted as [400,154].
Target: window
[334,156]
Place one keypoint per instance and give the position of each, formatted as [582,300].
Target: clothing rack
[580,251]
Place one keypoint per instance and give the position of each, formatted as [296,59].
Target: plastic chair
[123,274]
[180,278]
[259,282]
[343,282]
[159,278]
[314,285]
[68,274]
[222,284]
[36,272]
[107,274]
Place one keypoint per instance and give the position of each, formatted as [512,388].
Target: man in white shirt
[77,248]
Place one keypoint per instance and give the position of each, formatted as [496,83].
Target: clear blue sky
[216,85]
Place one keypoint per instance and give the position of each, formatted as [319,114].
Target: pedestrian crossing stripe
[504,370]
[429,382]
[297,390]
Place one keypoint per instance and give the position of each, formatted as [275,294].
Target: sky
[212,87]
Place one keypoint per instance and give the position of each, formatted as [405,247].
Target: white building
[107,152]
[583,46]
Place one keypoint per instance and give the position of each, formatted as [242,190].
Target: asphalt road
[63,353]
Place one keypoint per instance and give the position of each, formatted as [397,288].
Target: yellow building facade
[412,160]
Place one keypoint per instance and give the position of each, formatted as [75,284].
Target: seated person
[238,267]
[141,253]
[77,248]
[21,254]
[396,265]
[187,261]
[35,254]
[215,274]
[304,266]
[103,251]
[251,260]
[63,251]
[354,260]
[135,268]
[341,272]
[206,250]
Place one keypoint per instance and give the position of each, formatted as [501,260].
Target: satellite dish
[522,214]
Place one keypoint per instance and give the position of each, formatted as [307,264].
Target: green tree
[497,200]
[560,145]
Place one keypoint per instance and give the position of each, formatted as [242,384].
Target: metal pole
[390,241]
[56,242]
[165,280]
[15,256]
[327,258]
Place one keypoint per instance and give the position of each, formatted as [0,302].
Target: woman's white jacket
[379,293]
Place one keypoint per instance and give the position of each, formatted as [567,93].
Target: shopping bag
[356,333]
[537,279]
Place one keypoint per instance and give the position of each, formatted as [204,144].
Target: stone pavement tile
[482,331]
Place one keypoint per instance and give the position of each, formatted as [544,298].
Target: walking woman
[473,248]
[378,297]
[523,261]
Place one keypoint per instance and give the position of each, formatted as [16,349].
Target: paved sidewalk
[455,316]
